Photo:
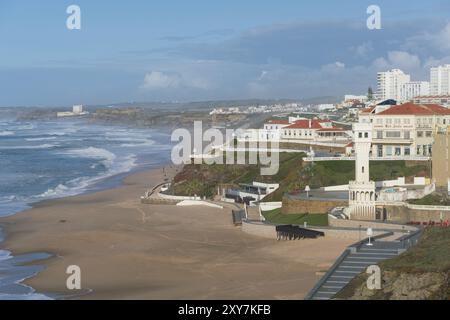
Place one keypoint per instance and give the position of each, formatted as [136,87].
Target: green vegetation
[203,179]
[329,173]
[434,199]
[430,256]
[293,175]
[275,216]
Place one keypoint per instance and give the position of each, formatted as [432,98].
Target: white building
[351,97]
[404,130]
[413,89]
[440,80]
[443,100]
[77,110]
[389,84]
[362,194]
[313,130]
[272,129]
[325,106]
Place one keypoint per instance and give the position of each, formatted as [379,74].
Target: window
[379,134]
[397,121]
[360,135]
[419,134]
[388,121]
[398,151]
[363,169]
[418,150]
[406,121]
[388,150]
[428,134]
[379,121]
[393,134]
[380,150]
[407,151]
[407,135]
[366,134]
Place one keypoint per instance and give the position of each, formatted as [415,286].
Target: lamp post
[307,189]
[370,234]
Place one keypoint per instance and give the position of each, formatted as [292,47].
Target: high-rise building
[389,84]
[440,80]
[413,89]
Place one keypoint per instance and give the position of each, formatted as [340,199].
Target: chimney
[310,123]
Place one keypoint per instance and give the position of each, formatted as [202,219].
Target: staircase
[355,260]
[353,264]
[253,213]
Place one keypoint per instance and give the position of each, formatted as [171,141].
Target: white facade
[362,194]
[440,80]
[389,84]
[325,106]
[413,89]
[404,130]
[349,97]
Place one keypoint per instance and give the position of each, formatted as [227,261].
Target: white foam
[40,139]
[6,133]
[78,185]
[93,153]
[42,146]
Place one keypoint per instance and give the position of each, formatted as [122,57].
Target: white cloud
[161,80]
[398,59]
[363,49]
[171,80]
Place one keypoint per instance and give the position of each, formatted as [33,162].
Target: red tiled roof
[416,109]
[331,129]
[278,122]
[367,110]
[349,145]
[305,124]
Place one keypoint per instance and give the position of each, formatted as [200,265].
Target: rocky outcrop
[397,285]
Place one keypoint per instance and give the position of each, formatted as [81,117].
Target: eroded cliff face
[402,286]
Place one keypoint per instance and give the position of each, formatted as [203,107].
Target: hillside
[293,175]
[423,272]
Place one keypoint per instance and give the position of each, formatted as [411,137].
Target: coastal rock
[406,286]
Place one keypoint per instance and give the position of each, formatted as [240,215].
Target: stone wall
[291,206]
[260,229]
[366,224]
[402,214]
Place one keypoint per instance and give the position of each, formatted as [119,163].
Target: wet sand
[127,250]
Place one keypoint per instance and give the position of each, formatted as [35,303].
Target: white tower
[362,190]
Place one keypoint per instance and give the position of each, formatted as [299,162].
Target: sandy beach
[127,250]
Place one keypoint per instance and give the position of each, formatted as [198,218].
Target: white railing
[412,206]
[352,158]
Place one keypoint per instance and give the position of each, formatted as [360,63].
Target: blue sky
[207,50]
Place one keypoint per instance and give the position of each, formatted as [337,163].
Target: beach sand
[127,250]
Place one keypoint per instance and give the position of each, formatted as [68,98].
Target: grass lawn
[275,216]
[433,199]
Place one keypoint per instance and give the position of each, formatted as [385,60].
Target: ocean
[53,159]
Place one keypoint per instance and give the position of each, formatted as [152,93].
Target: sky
[197,50]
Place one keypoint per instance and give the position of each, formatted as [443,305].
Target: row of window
[406,134]
[407,121]
[421,150]
[300,133]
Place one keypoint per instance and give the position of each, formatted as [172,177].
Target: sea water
[53,159]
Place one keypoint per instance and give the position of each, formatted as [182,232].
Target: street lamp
[307,189]
[369,234]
